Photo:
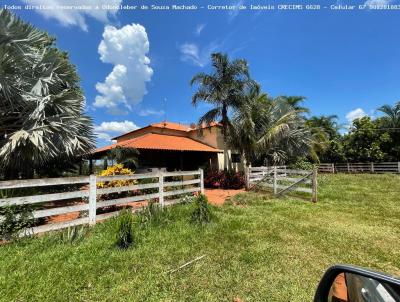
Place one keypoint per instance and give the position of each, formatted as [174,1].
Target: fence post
[161,188]
[247,177]
[92,199]
[348,168]
[333,168]
[314,185]
[372,167]
[275,181]
[398,166]
[201,181]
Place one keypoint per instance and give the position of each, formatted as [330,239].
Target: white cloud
[147,112]
[191,53]
[355,114]
[377,2]
[75,12]
[107,130]
[127,49]
[199,29]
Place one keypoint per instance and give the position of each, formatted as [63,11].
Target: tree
[41,105]
[224,89]
[390,122]
[295,102]
[270,129]
[364,141]
[327,128]
[124,155]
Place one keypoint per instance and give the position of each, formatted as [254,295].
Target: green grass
[257,249]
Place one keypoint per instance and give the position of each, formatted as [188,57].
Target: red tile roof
[173,126]
[155,141]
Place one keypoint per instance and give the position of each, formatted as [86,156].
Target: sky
[135,66]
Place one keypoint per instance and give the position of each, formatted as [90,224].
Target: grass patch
[258,249]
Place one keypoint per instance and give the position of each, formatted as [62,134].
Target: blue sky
[345,62]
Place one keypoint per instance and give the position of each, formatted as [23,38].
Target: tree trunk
[224,135]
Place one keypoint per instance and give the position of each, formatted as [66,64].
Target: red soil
[219,196]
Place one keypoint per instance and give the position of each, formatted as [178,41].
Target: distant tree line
[366,139]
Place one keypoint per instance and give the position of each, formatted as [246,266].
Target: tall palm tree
[326,123]
[266,128]
[391,121]
[295,102]
[41,105]
[391,115]
[224,89]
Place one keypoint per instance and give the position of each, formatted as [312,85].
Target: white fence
[283,180]
[165,185]
[385,167]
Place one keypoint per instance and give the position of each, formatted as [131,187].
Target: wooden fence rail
[385,167]
[89,198]
[283,180]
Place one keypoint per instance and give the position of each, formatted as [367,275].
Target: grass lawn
[257,249]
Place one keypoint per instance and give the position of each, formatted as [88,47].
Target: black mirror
[343,283]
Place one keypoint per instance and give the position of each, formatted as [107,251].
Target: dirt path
[218,196]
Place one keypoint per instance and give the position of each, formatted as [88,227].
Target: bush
[125,236]
[303,164]
[73,234]
[202,210]
[154,214]
[224,180]
[117,169]
[15,220]
[187,199]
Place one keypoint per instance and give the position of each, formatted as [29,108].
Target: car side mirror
[344,283]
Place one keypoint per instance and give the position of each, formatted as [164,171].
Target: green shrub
[187,199]
[14,220]
[73,234]
[154,214]
[202,210]
[124,235]
[303,164]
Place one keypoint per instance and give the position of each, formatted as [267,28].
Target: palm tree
[326,123]
[391,121]
[266,128]
[41,105]
[224,89]
[124,155]
[295,102]
[391,115]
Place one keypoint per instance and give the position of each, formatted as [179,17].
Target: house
[175,146]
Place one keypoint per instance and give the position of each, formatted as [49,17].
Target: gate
[283,180]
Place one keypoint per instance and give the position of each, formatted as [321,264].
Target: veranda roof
[153,141]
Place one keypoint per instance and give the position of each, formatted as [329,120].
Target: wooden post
[201,181]
[161,187]
[314,185]
[92,199]
[333,168]
[372,167]
[275,181]
[398,166]
[348,168]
